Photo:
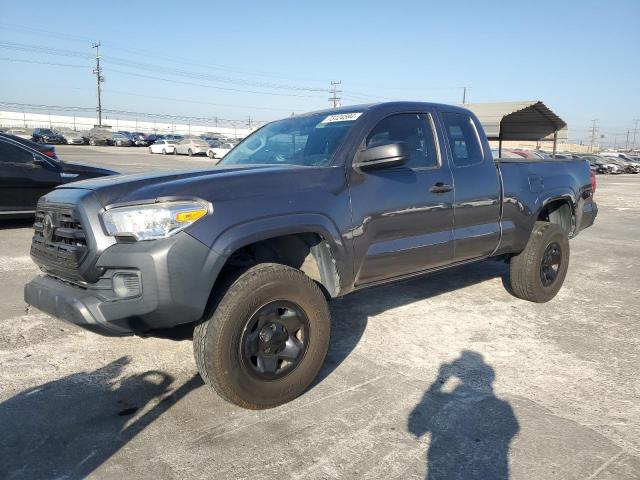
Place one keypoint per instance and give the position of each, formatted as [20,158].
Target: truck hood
[208,184]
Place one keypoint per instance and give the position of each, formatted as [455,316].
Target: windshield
[310,140]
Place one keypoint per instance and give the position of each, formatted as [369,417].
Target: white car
[220,151]
[163,147]
[191,146]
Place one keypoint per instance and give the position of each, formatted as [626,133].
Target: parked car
[100,136]
[506,153]
[26,133]
[598,164]
[153,137]
[191,146]
[47,150]
[220,151]
[121,140]
[48,136]
[72,137]
[304,209]
[625,164]
[172,136]
[26,175]
[140,139]
[162,146]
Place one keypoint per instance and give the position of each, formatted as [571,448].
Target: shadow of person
[69,427]
[471,429]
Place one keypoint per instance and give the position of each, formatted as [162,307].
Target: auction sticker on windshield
[342,117]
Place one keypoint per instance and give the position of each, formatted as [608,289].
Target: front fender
[265,228]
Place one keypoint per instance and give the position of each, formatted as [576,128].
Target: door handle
[440,188]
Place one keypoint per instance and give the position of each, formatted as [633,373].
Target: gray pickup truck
[305,209]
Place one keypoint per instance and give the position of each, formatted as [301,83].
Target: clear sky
[266,59]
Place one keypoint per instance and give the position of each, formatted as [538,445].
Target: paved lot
[553,390]
[128,159]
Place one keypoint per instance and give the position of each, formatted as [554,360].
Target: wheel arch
[308,242]
[558,209]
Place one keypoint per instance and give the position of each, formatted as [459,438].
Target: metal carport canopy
[525,120]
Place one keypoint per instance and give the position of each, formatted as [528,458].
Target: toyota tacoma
[304,210]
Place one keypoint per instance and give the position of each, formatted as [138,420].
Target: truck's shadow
[349,316]
[69,427]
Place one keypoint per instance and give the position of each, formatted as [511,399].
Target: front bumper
[176,276]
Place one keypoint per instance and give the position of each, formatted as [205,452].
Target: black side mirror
[40,162]
[387,155]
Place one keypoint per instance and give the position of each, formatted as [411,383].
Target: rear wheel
[190,153]
[211,154]
[538,272]
[164,152]
[266,339]
[92,142]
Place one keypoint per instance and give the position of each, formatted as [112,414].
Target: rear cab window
[463,139]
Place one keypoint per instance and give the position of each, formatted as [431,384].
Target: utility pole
[635,129]
[249,122]
[594,132]
[334,99]
[464,94]
[99,78]
[628,131]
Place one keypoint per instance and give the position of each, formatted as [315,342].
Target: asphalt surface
[447,373]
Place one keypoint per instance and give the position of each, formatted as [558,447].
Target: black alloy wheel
[275,340]
[550,265]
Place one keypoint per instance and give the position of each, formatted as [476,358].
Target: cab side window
[12,154]
[463,140]
[413,129]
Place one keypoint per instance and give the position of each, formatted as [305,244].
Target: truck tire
[266,338]
[538,272]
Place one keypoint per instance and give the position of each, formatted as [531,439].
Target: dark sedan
[46,135]
[26,175]
[48,150]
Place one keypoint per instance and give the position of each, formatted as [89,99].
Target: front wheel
[266,339]
[190,153]
[211,154]
[164,152]
[538,272]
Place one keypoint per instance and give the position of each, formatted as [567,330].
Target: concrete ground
[448,373]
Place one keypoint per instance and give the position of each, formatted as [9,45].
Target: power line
[185,118]
[30,48]
[21,60]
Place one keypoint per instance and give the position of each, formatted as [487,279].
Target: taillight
[593,182]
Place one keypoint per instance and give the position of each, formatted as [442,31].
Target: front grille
[59,243]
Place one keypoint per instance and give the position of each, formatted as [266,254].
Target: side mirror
[39,162]
[387,155]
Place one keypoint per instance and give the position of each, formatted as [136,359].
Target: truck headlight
[154,220]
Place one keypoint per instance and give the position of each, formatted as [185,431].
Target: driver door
[403,216]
